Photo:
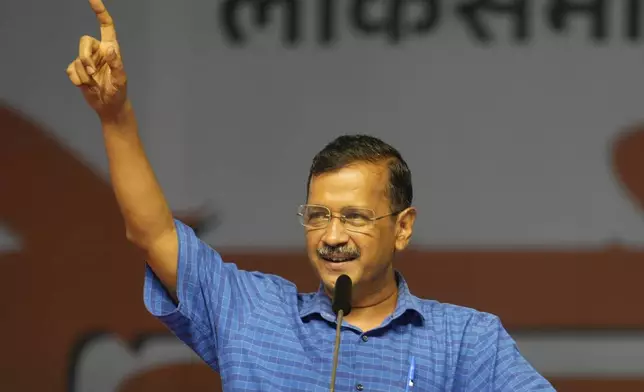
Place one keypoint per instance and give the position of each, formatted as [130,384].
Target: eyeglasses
[353,218]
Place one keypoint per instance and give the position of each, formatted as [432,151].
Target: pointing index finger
[108,33]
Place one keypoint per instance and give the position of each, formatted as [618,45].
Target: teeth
[338,260]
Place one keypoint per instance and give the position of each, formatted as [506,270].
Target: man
[255,329]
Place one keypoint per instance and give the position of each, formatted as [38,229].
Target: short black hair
[349,149]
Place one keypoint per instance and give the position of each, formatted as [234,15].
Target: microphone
[341,306]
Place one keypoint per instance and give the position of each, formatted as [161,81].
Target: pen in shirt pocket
[410,374]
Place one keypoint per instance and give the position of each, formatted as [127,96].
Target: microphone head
[342,295]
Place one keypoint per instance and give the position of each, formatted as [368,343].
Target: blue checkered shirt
[260,334]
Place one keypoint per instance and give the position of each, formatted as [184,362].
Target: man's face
[364,253]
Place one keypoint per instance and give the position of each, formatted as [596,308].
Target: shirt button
[359,387]
[365,338]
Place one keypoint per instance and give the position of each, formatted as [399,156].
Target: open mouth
[338,259]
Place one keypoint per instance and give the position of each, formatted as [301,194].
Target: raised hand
[98,69]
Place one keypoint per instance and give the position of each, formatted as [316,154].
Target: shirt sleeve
[215,299]
[497,365]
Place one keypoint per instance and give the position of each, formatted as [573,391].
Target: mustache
[338,252]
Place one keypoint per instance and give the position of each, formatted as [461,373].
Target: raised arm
[99,73]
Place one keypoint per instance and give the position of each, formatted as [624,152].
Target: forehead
[359,184]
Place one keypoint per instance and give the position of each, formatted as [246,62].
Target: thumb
[113,59]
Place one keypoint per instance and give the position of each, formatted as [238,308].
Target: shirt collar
[320,303]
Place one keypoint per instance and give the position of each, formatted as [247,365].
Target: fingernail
[90,70]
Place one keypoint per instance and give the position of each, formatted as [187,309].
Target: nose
[335,234]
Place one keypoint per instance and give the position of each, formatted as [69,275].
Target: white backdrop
[508,143]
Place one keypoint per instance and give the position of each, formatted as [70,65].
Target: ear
[405,227]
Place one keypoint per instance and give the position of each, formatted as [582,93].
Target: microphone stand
[336,351]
